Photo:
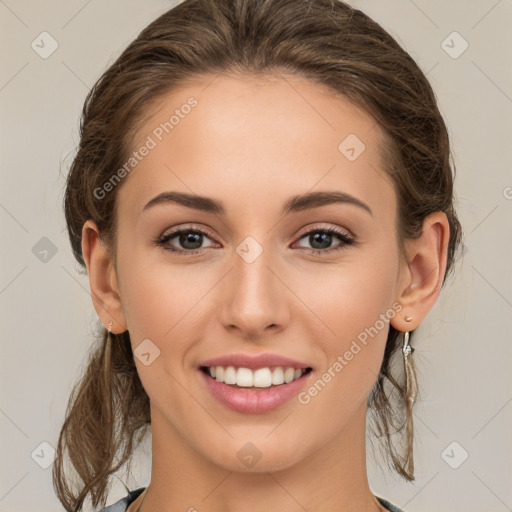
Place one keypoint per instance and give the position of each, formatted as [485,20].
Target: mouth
[254,379]
[255,391]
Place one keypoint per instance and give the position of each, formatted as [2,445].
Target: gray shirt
[124,503]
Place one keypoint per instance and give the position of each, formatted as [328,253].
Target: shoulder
[388,505]
[124,503]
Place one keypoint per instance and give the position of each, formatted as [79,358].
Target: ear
[421,276]
[102,279]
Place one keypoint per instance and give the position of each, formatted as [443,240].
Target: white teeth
[244,377]
[229,375]
[260,378]
[278,376]
[289,374]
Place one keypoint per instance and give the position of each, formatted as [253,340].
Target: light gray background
[463,348]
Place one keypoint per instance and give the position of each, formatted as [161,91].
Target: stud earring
[407,318]
[109,326]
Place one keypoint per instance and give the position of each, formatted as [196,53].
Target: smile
[258,378]
[254,391]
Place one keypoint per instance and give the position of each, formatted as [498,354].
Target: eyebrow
[294,204]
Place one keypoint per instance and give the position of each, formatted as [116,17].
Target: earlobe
[102,279]
[423,273]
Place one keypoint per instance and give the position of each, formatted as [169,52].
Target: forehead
[244,135]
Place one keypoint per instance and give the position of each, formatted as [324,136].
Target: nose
[255,298]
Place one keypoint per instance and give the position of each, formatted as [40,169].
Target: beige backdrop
[463,421]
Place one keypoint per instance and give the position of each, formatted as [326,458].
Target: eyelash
[346,239]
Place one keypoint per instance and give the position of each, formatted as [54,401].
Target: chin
[256,457]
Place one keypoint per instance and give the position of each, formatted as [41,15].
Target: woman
[263,200]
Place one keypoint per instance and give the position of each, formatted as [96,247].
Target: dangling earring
[411,388]
[411,391]
[109,328]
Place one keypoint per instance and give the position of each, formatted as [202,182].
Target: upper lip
[254,362]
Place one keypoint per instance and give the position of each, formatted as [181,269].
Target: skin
[252,144]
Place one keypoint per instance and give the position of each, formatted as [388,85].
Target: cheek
[352,356]
[351,297]
[152,294]
[164,302]
[354,306]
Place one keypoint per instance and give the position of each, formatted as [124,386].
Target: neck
[332,477]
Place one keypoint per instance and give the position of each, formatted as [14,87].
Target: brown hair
[326,41]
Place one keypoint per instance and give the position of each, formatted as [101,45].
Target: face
[315,282]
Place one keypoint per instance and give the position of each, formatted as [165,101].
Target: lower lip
[254,401]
